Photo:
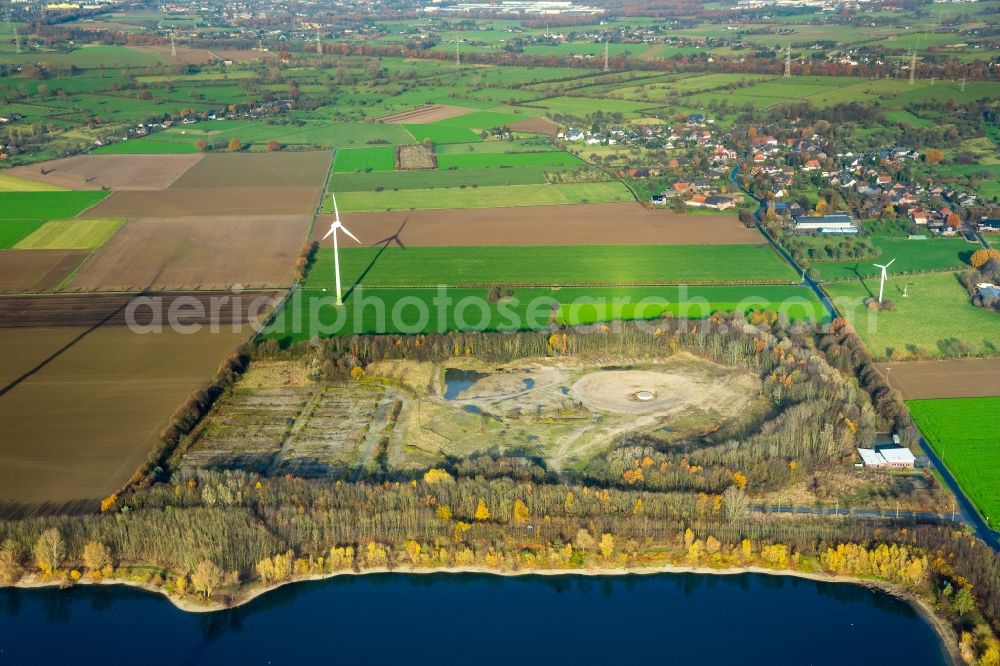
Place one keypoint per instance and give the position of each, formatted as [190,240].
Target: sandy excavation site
[408,414]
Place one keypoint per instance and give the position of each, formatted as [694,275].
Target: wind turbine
[881,285]
[334,227]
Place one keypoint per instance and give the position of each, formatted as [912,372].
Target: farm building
[894,457]
[837,223]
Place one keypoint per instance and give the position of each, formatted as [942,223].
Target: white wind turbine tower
[881,285]
[337,226]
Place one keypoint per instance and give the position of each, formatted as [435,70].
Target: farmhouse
[892,457]
[837,223]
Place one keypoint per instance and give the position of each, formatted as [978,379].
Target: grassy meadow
[963,433]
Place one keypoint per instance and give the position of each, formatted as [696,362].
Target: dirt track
[118,172]
[256,251]
[956,378]
[586,224]
[37,270]
[425,115]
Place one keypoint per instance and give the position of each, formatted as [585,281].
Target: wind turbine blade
[336,211]
[879,266]
[333,227]
[345,230]
[890,263]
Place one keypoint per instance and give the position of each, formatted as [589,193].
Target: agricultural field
[116,172]
[382,158]
[311,312]
[566,265]
[583,224]
[962,432]
[485,197]
[70,235]
[912,256]
[82,423]
[37,270]
[41,205]
[950,378]
[934,320]
[164,253]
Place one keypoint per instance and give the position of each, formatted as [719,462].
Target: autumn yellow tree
[207,577]
[234,145]
[522,514]
[607,546]
[980,257]
[49,551]
[96,557]
[482,512]
[10,563]
[443,512]
[933,156]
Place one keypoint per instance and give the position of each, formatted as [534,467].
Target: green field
[963,432]
[485,197]
[70,235]
[312,313]
[46,205]
[475,160]
[426,179]
[14,184]
[381,158]
[12,231]
[153,145]
[936,310]
[442,133]
[912,256]
[553,265]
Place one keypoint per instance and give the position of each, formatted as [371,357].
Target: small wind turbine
[881,285]
[334,227]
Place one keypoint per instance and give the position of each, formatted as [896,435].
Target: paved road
[969,514]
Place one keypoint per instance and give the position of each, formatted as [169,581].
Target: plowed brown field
[255,251]
[590,224]
[268,170]
[208,202]
[425,114]
[956,378]
[78,426]
[117,172]
[37,270]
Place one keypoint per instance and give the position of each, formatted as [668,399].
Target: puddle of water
[564,389]
[472,409]
[456,381]
[529,384]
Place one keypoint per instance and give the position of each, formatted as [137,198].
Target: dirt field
[425,115]
[957,378]
[415,157]
[79,426]
[208,202]
[266,170]
[87,310]
[588,224]
[255,251]
[117,172]
[186,56]
[536,125]
[37,270]
[26,348]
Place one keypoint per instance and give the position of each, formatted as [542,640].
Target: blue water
[456,381]
[475,619]
[529,384]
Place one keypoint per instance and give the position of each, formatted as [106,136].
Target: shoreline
[247,593]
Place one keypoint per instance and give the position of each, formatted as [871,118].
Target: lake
[479,619]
